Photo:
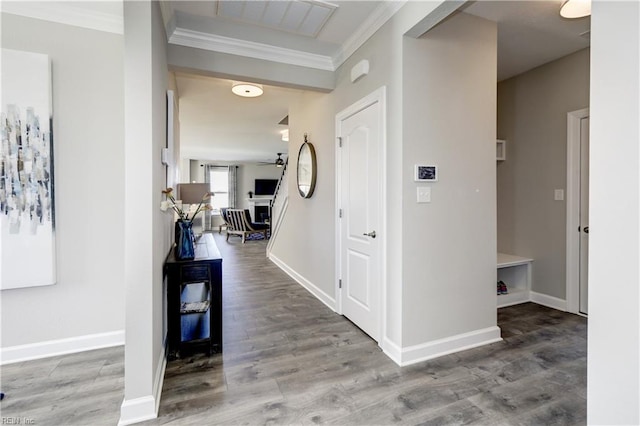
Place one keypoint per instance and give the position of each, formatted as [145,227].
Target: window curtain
[233,185]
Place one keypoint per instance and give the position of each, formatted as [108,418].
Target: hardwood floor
[289,360]
[78,389]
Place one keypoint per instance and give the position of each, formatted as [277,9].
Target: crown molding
[373,23]
[216,43]
[68,14]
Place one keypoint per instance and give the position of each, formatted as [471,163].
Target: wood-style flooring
[289,360]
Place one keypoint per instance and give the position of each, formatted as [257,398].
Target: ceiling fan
[279,162]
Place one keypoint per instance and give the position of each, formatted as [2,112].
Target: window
[219,184]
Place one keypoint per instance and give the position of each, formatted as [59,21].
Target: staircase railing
[278,203]
[282,175]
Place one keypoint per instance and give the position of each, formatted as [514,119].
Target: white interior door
[359,226]
[577,210]
[584,215]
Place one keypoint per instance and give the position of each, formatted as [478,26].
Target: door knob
[371,234]
[586,229]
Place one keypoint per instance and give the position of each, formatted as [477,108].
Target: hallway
[289,360]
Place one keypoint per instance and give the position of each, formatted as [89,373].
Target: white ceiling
[530,33]
[217,125]
[303,17]
[208,23]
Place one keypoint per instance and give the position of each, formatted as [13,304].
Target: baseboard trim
[49,348]
[158,381]
[137,410]
[391,350]
[437,348]
[145,408]
[317,292]
[549,301]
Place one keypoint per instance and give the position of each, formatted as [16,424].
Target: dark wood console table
[194,300]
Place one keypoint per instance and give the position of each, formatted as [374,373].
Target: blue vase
[184,240]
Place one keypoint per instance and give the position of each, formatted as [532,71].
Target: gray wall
[315,114]
[532,118]
[89,181]
[449,116]
[148,229]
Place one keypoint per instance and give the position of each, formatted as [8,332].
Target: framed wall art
[27,208]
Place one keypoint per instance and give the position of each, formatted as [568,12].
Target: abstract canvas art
[27,219]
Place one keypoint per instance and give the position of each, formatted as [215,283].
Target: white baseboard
[425,351]
[49,348]
[391,350]
[145,408]
[549,301]
[137,410]
[321,295]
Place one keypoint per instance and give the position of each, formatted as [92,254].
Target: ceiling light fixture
[285,135]
[575,9]
[247,90]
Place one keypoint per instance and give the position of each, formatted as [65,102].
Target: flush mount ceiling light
[575,9]
[247,90]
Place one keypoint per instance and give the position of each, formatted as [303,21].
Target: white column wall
[613,366]
[147,229]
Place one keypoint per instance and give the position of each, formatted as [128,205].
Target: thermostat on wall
[426,173]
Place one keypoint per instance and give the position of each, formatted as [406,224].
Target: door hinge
[339,283]
[340,141]
[340,213]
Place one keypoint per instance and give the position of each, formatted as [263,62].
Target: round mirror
[306,169]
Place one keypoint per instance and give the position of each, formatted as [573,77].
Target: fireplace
[261,214]
[260,208]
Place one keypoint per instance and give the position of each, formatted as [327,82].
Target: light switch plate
[558,194]
[424,194]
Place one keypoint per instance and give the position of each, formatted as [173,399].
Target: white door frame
[379,96]
[573,208]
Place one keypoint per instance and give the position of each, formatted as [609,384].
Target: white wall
[88,298]
[449,244]
[148,230]
[613,370]
[532,117]
[247,174]
[196,171]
